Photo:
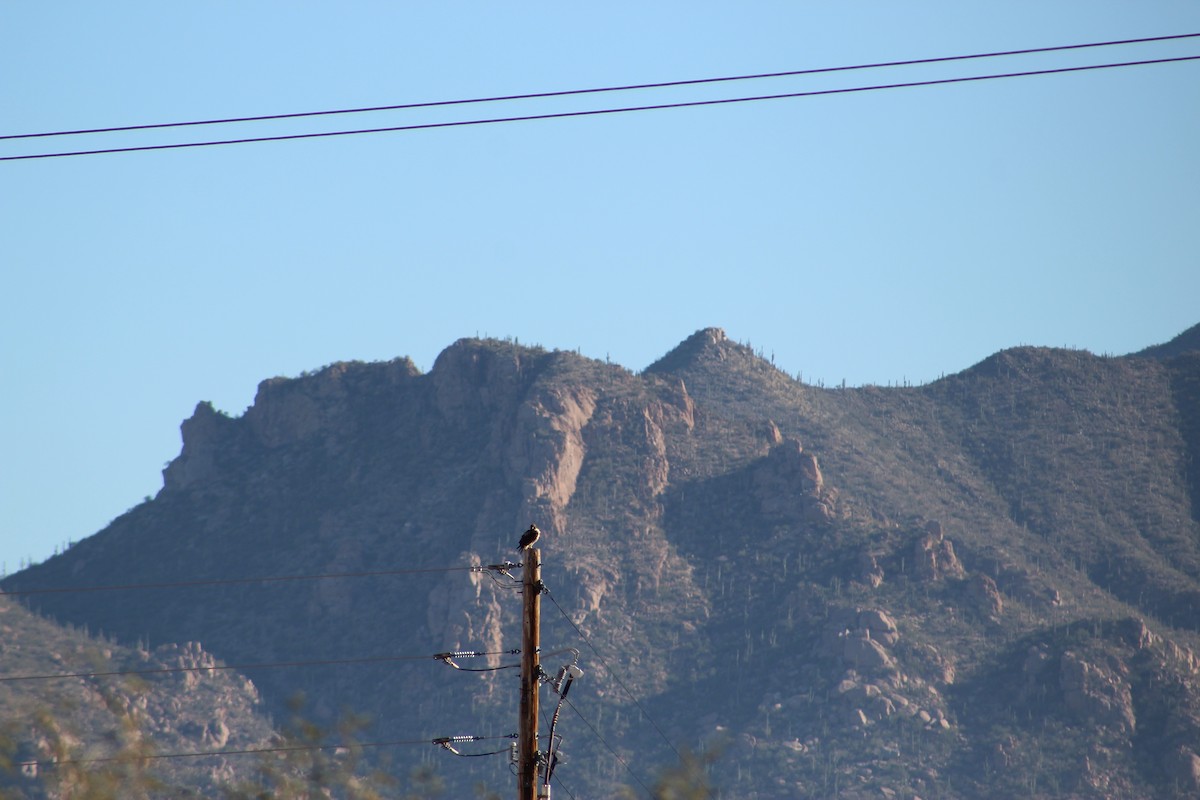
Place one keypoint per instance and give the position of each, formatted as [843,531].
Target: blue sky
[871,237]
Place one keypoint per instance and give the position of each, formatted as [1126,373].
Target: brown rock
[1183,769]
[472,382]
[985,594]
[879,626]
[681,407]
[933,555]
[216,733]
[869,571]
[656,467]
[547,447]
[865,653]
[947,672]
[1097,693]
[1136,634]
[466,613]
[788,483]
[885,707]
[202,440]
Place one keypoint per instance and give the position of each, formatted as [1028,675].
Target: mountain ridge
[836,583]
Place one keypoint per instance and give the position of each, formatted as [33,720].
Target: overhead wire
[610,748]
[262,665]
[617,678]
[603,89]
[232,581]
[614,674]
[445,657]
[600,111]
[256,750]
[558,779]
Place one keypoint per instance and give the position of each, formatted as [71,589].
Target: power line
[563,786]
[444,657]
[231,581]
[617,677]
[601,111]
[248,751]
[601,90]
[604,742]
[226,667]
[621,683]
[257,750]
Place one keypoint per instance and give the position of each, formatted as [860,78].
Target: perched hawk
[528,538]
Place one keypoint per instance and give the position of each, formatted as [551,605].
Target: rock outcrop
[547,450]
[986,595]
[789,484]
[933,555]
[860,639]
[1097,693]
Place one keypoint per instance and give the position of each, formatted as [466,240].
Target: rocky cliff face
[985,587]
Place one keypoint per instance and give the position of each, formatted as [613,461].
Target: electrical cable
[512,583]
[265,665]
[616,677]
[598,112]
[248,751]
[563,786]
[479,755]
[615,755]
[484,669]
[231,581]
[252,751]
[551,750]
[601,90]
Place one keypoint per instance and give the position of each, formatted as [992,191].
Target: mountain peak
[706,344]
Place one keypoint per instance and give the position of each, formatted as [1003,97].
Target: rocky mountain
[984,587]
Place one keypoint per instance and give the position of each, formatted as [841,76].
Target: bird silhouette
[528,538]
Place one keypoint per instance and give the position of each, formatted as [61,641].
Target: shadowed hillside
[115,702]
[988,586]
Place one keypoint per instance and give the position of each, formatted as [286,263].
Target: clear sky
[873,237]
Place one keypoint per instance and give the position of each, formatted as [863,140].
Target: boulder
[879,626]
[863,652]
[933,555]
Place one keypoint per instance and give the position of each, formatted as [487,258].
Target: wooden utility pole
[531,642]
